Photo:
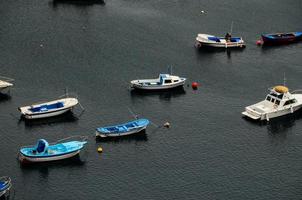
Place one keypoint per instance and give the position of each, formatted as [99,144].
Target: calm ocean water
[210,151]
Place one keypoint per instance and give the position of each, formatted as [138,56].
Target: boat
[205,40]
[48,109]
[5,83]
[163,82]
[281,38]
[5,186]
[43,151]
[277,103]
[128,128]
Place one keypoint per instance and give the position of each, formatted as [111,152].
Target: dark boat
[281,38]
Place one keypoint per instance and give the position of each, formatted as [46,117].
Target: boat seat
[214,39]
[41,146]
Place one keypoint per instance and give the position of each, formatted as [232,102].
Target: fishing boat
[281,38]
[5,83]
[43,151]
[163,82]
[5,186]
[277,103]
[205,40]
[48,109]
[122,129]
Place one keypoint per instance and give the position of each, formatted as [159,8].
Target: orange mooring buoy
[195,85]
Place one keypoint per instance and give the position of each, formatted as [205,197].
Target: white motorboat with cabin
[164,81]
[5,83]
[277,103]
[48,109]
[205,40]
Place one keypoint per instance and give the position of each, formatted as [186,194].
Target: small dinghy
[48,109]
[43,151]
[5,186]
[163,82]
[281,38]
[5,83]
[205,40]
[122,129]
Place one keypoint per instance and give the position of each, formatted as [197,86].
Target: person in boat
[228,37]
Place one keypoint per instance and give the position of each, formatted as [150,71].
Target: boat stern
[251,113]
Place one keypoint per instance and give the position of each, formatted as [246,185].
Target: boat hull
[46,114]
[158,87]
[4,89]
[199,44]
[26,159]
[133,131]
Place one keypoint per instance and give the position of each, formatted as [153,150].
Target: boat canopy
[42,146]
[281,89]
[161,78]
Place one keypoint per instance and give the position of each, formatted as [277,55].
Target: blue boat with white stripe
[62,149]
[123,129]
[5,186]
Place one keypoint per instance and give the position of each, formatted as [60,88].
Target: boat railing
[299,91]
[68,139]
[7,79]
[72,138]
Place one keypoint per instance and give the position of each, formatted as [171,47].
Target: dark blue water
[210,151]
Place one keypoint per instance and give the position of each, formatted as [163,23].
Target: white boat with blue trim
[277,103]
[5,83]
[48,109]
[62,149]
[128,128]
[5,186]
[205,40]
[163,82]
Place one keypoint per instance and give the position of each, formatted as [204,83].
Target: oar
[132,113]
[155,125]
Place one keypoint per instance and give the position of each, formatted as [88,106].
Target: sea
[93,50]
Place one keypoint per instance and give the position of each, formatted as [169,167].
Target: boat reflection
[56,3]
[64,118]
[44,167]
[208,50]
[279,125]
[137,137]
[163,94]
[4,97]
[267,48]
[283,124]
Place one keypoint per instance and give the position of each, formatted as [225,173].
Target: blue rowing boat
[281,38]
[122,129]
[62,149]
[5,185]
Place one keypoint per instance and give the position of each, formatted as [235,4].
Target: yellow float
[100,149]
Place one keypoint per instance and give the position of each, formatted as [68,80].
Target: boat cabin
[167,79]
[280,96]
